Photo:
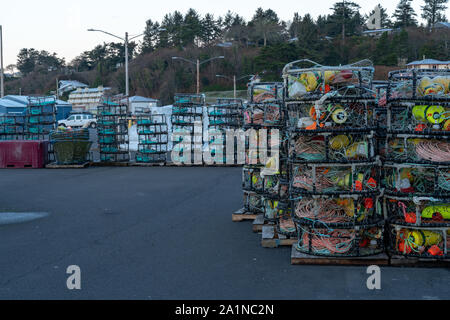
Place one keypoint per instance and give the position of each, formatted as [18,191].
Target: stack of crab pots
[416,163]
[265,172]
[334,174]
[187,129]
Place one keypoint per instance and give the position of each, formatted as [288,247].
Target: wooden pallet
[299,258]
[67,166]
[402,261]
[110,164]
[242,215]
[258,223]
[140,164]
[272,239]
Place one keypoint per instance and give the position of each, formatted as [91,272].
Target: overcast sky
[60,26]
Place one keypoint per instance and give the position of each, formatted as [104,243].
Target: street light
[234,80]
[126,41]
[198,64]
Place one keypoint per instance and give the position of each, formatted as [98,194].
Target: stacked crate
[112,128]
[265,172]
[187,129]
[224,120]
[40,117]
[416,163]
[334,174]
[12,127]
[153,139]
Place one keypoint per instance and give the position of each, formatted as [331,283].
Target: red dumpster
[23,154]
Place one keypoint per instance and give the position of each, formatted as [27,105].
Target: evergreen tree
[345,19]
[266,26]
[404,15]
[433,11]
[210,29]
[151,36]
[191,28]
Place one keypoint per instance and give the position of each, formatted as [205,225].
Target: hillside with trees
[262,45]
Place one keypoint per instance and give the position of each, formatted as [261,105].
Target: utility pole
[198,76]
[127,79]
[234,85]
[235,80]
[343,21]
[2,80]
[197,63]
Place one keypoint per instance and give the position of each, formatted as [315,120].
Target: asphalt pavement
[163,233]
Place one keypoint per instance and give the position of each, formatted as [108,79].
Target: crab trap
[426,85]
[415,180]
[339,116]
[189,99]
[309,81]
[418,211]
[40,117]
[229,101]
[337,210]
[335,179]
[152,139]
[263,115]
[253,202]
[12,127]
[112,129]
[419,242]
[331,147]
[260,92]
[322,240]
[416,149]
[418,118]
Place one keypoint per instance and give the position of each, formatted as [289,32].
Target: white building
[87,99]
[141,105]
[429,64]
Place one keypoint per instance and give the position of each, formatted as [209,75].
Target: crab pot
[275,186]
[420,242]
[418,211]
[152,139]
[340,242]
[227,115]
[186,99]
[112,129]
[419,84]
[265,92]
[417,149]
[416,180]
[420,118]
[286,225]
[266,114]
[274,209]
[337,211]
[332,147]
[252,180]
[334,114]
[253,202]
[307,80]
[334,179]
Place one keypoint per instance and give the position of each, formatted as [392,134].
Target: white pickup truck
[79,120]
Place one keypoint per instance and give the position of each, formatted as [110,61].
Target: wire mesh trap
[337,211]
[334,179]
[12,127]
[340,242]
[112,129]
[308,80]
[70,146]
[429,85]
[418,211]
[420,242]
[260,92]
[416,180]
[153,138]
[331,147]
[416,149]
[253,202]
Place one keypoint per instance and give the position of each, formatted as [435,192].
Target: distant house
[141,105]
[377,32]
[87,99]
[70,85]
[429,64]
[442,25]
